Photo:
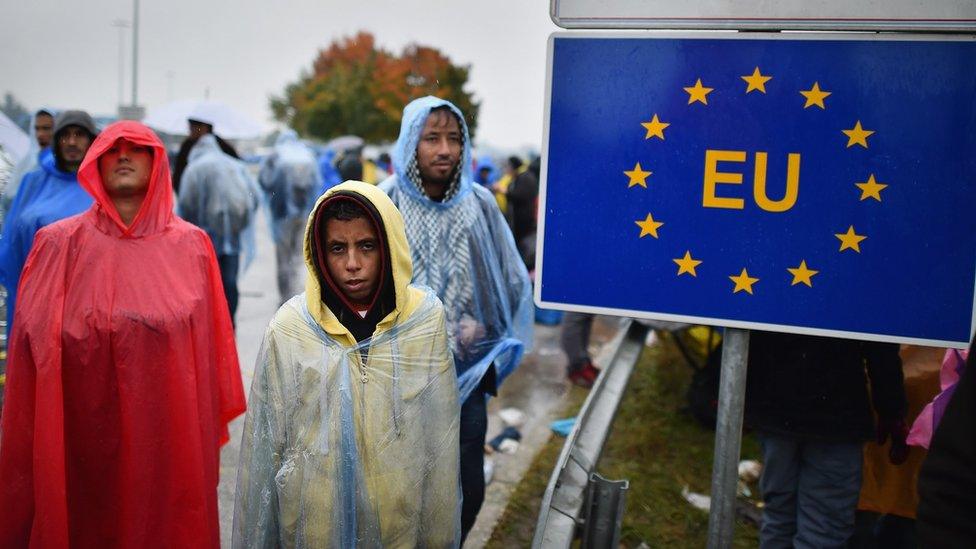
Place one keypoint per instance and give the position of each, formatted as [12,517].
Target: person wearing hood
[352,425]
[200,125]
[328,171]
[291,181]
[46,195]
[221,197]
[122,372]
[463,250]
[41,134]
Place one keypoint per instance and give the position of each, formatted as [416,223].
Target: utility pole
[121,24]
[135,51]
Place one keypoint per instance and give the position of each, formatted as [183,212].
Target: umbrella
[13,140]
[345,143]
[227,122]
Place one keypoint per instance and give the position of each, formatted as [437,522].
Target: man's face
[44,129]
[125,168]
[353,256]
[73,143]
[439,149]
[198,128]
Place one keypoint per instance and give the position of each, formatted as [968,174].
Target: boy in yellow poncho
[352,426]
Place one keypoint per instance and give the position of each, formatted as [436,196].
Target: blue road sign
[813,185]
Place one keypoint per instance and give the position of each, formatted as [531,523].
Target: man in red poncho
[123,371]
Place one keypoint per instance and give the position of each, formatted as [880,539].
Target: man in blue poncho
[47,194]
[291,180]
[220,196]
[462,249]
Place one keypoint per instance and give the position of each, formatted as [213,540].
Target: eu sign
[812,185]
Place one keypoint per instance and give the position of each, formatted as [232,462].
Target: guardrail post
[728,438]
[604,512]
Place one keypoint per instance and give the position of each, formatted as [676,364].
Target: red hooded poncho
[122,376]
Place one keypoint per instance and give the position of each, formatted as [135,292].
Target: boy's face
[353,257]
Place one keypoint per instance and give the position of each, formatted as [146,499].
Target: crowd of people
[367,415]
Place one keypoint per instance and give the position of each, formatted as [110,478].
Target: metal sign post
[728,438]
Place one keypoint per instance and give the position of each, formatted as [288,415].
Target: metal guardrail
[566,494]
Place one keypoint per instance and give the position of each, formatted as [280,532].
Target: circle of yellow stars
[816,97]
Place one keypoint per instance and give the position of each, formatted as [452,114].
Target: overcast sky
[66,54]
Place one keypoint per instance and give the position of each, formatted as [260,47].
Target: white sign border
[711,321]
[761,23]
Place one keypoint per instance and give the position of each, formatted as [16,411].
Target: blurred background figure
[291,181]
[220,196]
[522,197]
[200,124]
[41,135]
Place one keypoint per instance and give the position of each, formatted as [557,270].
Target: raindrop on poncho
[463,249]
[219,195]
[122,377]
[352,443]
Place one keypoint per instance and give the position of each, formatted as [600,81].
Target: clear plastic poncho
[30,162]
[352,444]
[463,249]
[291,181]
[219,195]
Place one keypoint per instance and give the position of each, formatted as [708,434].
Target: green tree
[357,88]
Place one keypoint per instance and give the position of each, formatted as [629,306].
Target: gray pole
[728,438]
[135,51]
[121,24]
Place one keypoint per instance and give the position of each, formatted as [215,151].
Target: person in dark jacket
[947,481]
[522,196]
[808,399]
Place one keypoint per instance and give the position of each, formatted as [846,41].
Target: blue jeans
[810,490]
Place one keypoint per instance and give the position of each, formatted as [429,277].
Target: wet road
[536,388]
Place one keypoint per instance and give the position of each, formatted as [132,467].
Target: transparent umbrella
[226,121]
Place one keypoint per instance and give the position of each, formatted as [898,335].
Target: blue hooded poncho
[291,181]
[330,175]
[46,195]
[220,196]
[463,249]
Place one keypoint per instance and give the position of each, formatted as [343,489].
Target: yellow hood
[407,299]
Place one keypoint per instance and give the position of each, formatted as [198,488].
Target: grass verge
[656,446]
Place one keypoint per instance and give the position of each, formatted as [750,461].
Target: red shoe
[585,376]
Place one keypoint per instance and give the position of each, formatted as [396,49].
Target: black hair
[515,162]
[343,210]
[44,112]
[444,109]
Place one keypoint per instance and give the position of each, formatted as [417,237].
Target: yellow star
[857,135]
[743,282]
[802,274]
[815,96]
[637,176]
[687,265]
[756,81]
[698,93]
[850,240]
[649,226]
[655,128]
[871,188]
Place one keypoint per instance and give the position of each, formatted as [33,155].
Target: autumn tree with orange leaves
[360,89]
